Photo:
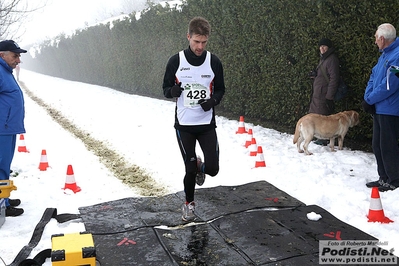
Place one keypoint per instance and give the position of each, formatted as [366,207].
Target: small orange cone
[241,126]
[253,148]
[43,161]
[22,147]
[70,182]
[376,213]
[260,160]
[249,138]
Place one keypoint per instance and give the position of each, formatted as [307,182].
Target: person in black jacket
[194,77]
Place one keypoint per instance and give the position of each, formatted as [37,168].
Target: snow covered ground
[140,130]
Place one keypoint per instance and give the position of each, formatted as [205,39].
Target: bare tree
[13,13]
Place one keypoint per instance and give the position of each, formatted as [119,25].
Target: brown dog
[324,127]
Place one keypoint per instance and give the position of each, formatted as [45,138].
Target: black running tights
[209,145]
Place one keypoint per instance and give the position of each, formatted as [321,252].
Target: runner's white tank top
[197,84]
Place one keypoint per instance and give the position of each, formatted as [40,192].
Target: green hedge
[267,48]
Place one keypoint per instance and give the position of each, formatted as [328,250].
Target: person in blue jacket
[12,113]
[381,99]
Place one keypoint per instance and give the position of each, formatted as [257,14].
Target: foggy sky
[60,16]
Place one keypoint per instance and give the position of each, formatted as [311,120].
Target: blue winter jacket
[386,100]
[12,110]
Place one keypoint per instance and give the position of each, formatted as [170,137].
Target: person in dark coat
[325,83]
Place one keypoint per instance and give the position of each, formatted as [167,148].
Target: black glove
[330,105]
[207,104]
[176,90]
[312,74]
[368,108]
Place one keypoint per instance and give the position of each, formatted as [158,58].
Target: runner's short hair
[200,26]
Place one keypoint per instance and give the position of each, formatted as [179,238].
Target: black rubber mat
[119,215]
[252,224]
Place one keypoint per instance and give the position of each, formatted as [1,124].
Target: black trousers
[210,147]
[385,147]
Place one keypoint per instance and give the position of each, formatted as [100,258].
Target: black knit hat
[326,42]
[10,45]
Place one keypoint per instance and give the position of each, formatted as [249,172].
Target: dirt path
[132,175]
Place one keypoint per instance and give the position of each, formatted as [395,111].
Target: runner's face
[197,43]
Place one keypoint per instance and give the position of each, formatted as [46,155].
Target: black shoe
[200,177]
[14,202]
[386,187]
[11,211]
[376,183]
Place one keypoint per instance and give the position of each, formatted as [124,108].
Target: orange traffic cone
[70,182]
[376,213]
[241,126]
[43,161]
[249,138]
[22,147]
[260,160]
[253,148]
